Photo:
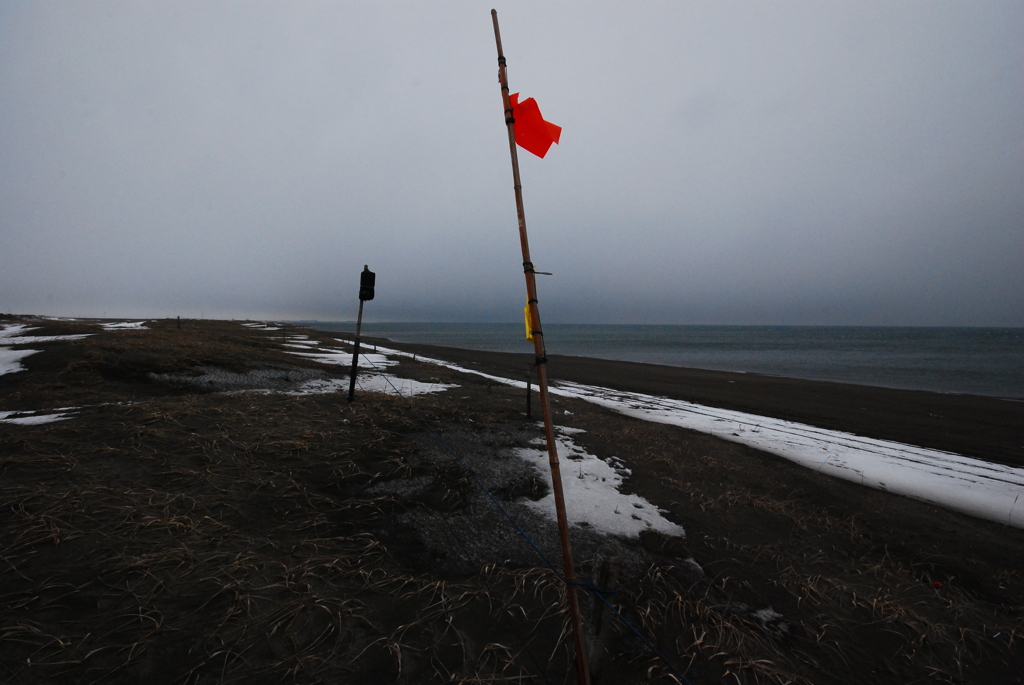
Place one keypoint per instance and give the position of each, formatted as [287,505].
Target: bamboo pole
[582,670]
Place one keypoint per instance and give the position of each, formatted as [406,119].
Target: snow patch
[326,355]
[123,325]
[10,359]
[298,342]
[367,381]
[370,378]
[8,330]
[35,418]
[13,334]
[10,334]
[591,488]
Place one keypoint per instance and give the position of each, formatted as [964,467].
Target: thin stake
[582,671]
[606,579]
[529,389]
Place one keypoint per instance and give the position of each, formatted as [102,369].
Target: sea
[976,361]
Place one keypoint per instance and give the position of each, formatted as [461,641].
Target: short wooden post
[606,579]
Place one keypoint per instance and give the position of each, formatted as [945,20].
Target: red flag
[533,134]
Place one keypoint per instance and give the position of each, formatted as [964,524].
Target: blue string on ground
[588,585]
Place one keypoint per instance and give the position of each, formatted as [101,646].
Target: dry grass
[183,538]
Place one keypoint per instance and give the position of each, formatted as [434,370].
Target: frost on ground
[591,488]
[121,325]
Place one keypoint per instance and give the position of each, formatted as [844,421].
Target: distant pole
[367,280]
[582,670]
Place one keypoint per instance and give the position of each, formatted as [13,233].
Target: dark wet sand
[982,427]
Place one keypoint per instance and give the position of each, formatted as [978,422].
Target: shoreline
[987,428]
[975,361]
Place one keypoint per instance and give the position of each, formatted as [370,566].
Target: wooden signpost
[367,280]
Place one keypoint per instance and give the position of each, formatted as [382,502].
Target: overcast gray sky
[726,162]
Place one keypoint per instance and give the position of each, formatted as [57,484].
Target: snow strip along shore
[971,486]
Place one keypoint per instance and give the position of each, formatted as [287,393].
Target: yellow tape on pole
[526,317]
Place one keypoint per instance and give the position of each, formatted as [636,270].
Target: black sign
[367,279]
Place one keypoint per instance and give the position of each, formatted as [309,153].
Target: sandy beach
[202,505]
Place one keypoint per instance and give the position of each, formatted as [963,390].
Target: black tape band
[501,60]
[531,302]
[540,360]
